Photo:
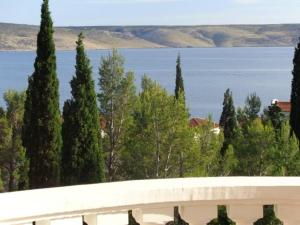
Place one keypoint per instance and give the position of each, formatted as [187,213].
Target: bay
[207,72]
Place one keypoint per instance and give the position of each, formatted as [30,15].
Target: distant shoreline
[103,49]
[17,37]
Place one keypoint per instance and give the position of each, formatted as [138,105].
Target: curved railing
[153,201]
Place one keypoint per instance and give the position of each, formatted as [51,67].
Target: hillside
[23,37]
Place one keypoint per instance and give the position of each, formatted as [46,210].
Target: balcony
[152,201]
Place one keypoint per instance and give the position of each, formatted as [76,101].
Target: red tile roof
[196,122]
[284,106]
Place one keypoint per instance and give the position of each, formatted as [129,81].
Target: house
[102,123]
[284,106]
[196,122]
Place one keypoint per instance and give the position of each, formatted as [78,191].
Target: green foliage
[274,115]
[117,99]
[241,117]
[179,80]
[42,120]
[253,148]
[286,156]
[2,112]
[228,121]
[208,145]
[5,135]
[229,162]
[252,106]
[295,94]
[82,158]
[13,162]
[5,132]
[160,139]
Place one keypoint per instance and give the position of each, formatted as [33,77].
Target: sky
[153,12]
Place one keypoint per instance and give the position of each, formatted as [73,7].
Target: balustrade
[152,202]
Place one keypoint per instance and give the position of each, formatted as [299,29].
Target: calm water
[208,72]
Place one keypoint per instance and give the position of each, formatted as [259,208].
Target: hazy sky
[153,12]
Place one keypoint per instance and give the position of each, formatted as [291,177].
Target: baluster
[154,215]
[42,222]
[113,218]
[198,214]
[91,219]
[245,214]
[288,214]
[138,216]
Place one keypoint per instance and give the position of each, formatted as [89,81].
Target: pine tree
[12,155]
[228,120]
[253,149]
[252,106]
[82,159]
[179,80]
[295,94]
[158,136]
[117,99]
[42,121]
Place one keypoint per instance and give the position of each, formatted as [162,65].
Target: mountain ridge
[23,37]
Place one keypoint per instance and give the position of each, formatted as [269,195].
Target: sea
[207,73]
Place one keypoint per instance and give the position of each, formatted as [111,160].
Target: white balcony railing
[153,201]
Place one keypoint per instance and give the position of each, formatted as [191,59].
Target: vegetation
[82,158]
[117,100]
[13,163]
[228,120]
[161,134]
[179,87]
[295,94]
[274,115]
[143,136]
[252,107]
[42,120]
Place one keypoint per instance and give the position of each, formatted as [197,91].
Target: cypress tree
[179,94]
[42,122]
[82,160]
[179,80]
[295,94]
[228,120]
[274,114]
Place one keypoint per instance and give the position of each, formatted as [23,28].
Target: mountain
[23,37]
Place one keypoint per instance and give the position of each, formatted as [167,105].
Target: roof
[196,122]
[102,123]
[284,106]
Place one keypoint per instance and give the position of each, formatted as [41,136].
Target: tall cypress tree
[295,94]
[179,80]
[228,120]
[179,96]
[42,121]
[82,159]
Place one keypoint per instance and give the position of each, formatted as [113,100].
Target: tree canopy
[42,120]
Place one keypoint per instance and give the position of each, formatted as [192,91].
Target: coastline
[137,48]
